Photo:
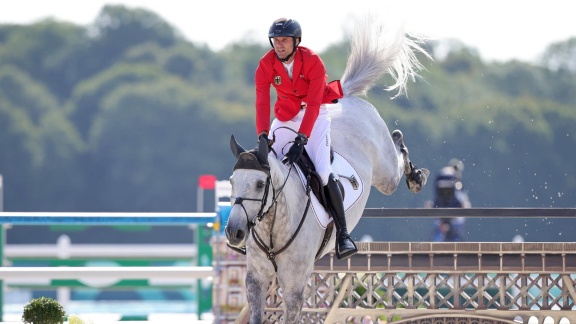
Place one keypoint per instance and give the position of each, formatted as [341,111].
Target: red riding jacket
[308,85]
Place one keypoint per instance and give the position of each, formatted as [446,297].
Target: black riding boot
[345,247]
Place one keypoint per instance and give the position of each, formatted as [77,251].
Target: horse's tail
[377,48]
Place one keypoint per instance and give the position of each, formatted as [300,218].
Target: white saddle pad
[353,188]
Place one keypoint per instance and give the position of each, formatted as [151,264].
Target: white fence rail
[120,273]
[88,251]
[71,218]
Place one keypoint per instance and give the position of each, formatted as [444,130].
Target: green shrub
[43,311]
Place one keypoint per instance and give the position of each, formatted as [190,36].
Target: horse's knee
[293,307]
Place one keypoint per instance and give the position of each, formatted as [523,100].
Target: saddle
[315,182]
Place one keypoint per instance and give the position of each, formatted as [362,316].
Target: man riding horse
[299,77]
[268,200]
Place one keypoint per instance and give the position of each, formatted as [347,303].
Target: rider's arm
[315,74]
[262,80]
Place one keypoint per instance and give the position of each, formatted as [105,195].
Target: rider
[299,77]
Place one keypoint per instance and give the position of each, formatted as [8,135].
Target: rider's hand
[264,137]
[296,149]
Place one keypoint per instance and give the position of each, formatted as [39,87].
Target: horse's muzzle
[236,237]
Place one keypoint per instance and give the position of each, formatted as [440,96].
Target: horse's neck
[291,197]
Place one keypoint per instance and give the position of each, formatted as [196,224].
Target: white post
[200,200]
[222,189]
[63,251]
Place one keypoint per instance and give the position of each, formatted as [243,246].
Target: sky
[500,30]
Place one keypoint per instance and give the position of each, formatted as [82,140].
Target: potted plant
[43,311]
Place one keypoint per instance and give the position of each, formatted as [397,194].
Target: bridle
[263,200]
[269,249]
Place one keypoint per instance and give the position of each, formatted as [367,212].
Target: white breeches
[318,146]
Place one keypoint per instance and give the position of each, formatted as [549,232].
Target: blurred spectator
[450,194]
[461,194]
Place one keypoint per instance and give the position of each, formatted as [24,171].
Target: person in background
[461,194]
[450,194]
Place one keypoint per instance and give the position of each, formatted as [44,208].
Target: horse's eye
[260,184]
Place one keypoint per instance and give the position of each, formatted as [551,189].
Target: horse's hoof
[417,179]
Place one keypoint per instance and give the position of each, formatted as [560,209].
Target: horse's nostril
[239,234]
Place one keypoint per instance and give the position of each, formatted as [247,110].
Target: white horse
[272,214]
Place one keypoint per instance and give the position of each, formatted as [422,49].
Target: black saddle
[315,182]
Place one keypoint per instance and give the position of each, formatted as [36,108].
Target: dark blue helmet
[285,27]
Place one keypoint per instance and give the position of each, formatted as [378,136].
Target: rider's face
[283,46]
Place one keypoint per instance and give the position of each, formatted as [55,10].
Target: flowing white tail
[377,48]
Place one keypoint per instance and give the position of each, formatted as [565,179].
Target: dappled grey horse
[272,214]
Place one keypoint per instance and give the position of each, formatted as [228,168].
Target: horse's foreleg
[293,302]
[256,290]
[293,297]
[415,178]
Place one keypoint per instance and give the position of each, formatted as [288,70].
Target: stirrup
[239,250]
[349,253]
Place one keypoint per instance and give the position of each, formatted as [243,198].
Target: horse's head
[252,192]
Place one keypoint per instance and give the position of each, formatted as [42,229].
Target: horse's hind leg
[415,178]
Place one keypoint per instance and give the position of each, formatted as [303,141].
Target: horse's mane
[377,48]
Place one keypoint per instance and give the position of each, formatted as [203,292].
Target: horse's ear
[235,147]
[263,150]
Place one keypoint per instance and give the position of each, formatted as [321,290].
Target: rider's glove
[296,149]
[264,137]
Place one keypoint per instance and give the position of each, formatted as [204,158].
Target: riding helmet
[285,27]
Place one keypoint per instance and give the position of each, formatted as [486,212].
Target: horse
[271,213]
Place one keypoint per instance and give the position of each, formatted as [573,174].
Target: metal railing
[425,282]
[470,212]
[418,282]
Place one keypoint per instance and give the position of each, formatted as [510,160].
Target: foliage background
[125,114]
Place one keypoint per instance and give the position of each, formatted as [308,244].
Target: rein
[269,249]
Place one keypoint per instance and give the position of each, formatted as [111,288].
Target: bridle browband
[268,249]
